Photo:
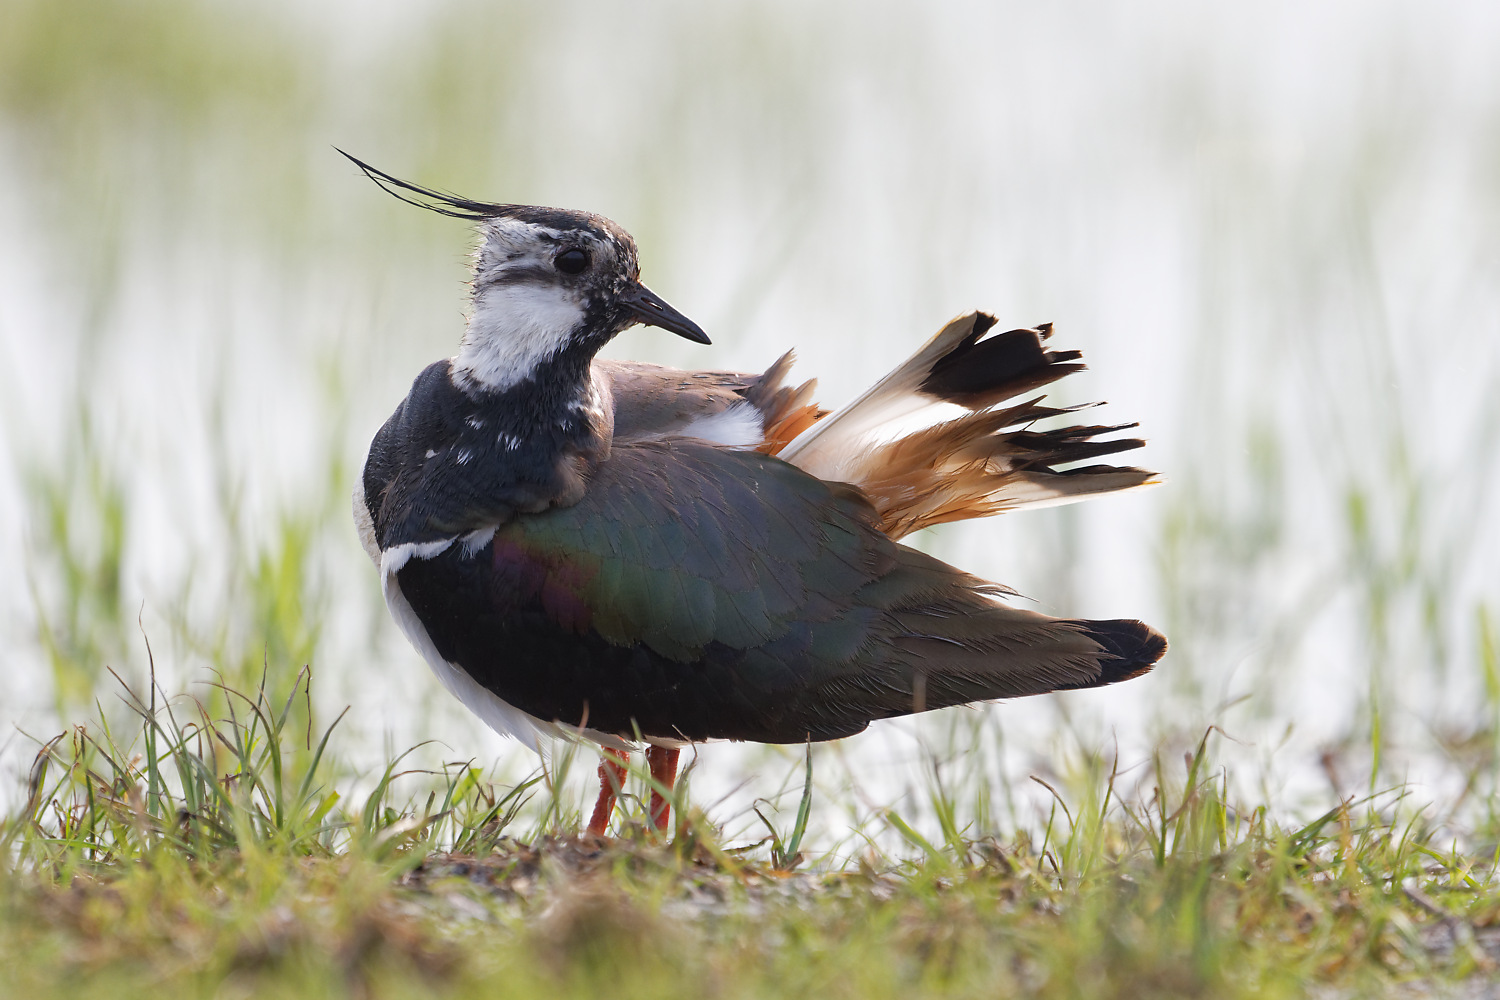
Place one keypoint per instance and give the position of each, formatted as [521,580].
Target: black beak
[652,310]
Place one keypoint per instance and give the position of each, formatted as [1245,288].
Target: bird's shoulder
[651,399]
[742,409]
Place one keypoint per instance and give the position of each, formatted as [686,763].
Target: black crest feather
[478,211]
[429,198]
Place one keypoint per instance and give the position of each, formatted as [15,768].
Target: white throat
[514,328]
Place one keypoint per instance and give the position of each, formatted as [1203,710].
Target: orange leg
[663,764]
[611,780]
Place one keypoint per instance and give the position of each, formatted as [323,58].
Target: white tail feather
[830,447]
[923,460]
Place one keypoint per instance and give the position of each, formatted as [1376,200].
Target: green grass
[228,854]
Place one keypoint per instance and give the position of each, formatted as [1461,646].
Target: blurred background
[1274,230]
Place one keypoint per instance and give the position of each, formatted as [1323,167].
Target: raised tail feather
[919,469]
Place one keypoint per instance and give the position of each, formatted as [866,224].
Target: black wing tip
[983,369]
[1131,648]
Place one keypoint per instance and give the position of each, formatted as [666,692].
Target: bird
[634,554]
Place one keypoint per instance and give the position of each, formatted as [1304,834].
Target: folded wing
[698,592]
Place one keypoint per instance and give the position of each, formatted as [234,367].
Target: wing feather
[787,614]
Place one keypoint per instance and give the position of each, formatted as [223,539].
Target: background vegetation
[1273,231]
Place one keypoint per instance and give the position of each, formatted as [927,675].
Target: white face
[525,309]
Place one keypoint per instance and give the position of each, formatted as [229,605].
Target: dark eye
[571,261]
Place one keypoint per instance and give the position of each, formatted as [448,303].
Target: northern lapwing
[638,554]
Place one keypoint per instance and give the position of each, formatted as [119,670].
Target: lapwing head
[546,282]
